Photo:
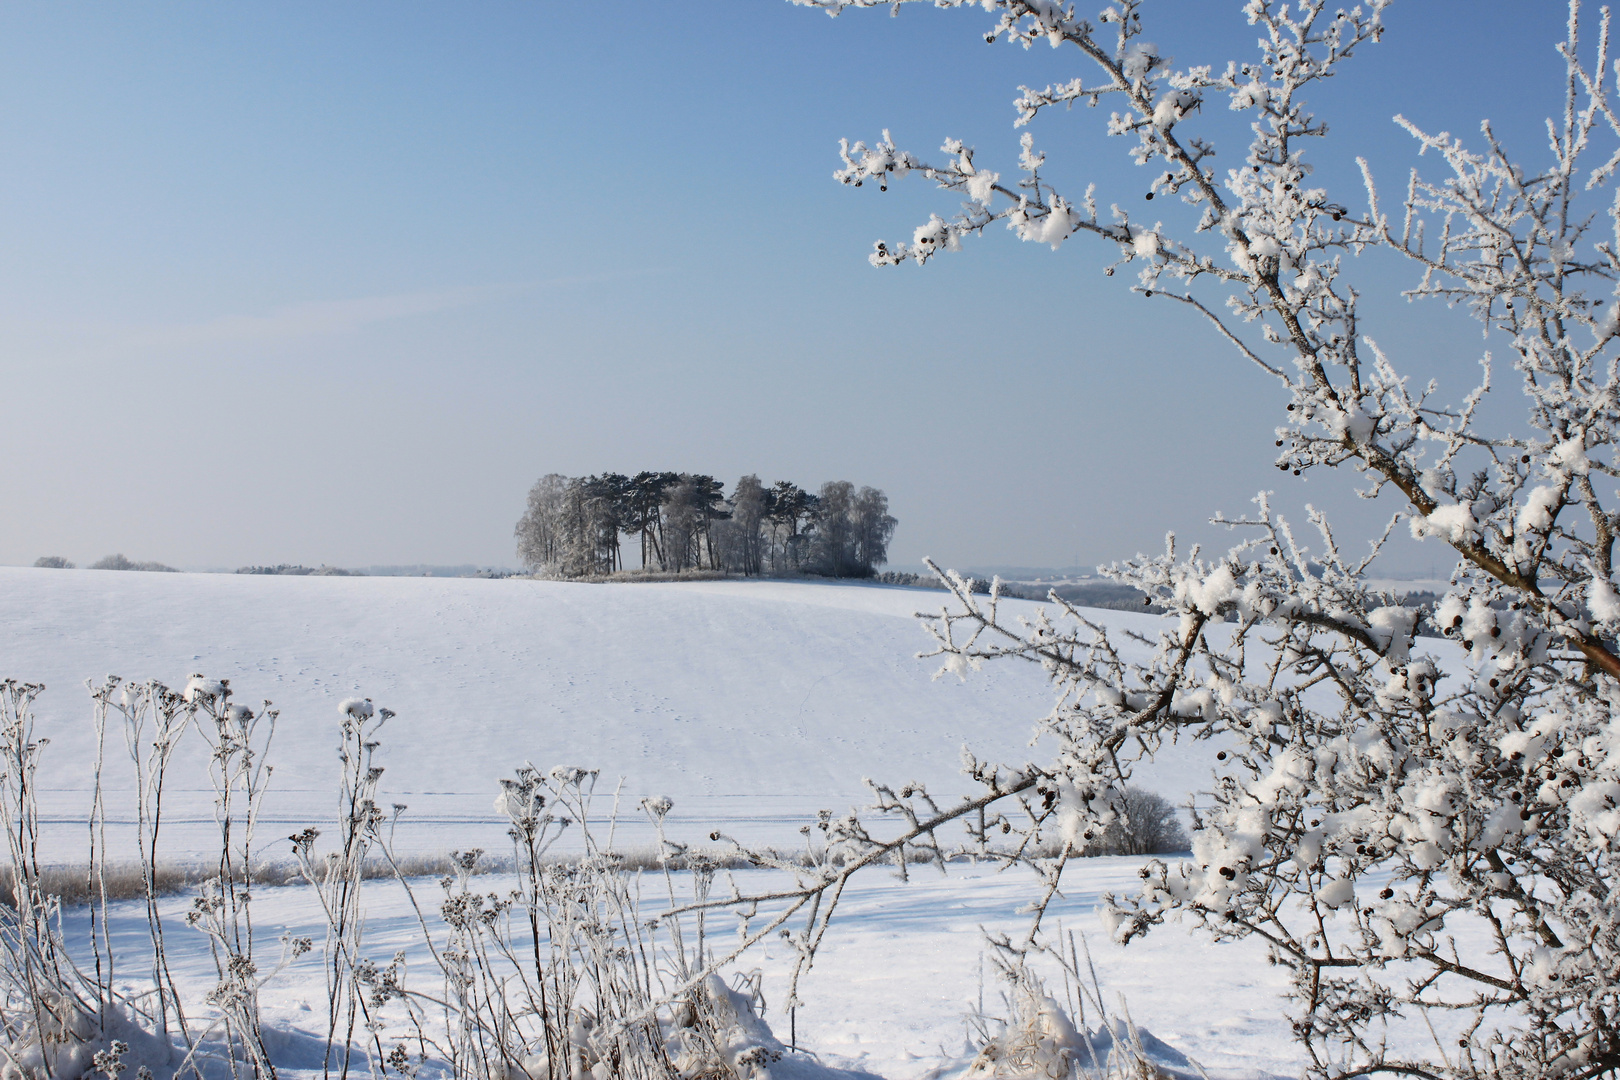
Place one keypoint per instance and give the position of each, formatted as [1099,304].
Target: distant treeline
[107,562]
[575,526]
[465,570]
[1092,594]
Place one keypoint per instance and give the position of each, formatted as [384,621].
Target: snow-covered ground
[750,704]
[893,989]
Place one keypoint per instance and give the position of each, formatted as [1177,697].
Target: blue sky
[315,283]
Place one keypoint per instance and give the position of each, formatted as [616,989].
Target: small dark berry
[1150,196]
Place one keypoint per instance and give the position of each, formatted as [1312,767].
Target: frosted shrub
[154,720]
[56,1020]
[561,976]
[337,878]
[1416,832]
[239,739]
[565,975]
[47,1023]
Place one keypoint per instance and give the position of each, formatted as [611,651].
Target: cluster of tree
[109,562]
[302,571]
[576,526]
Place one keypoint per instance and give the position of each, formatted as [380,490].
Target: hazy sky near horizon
[298,282]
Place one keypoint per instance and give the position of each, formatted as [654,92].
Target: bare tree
[1410,830]
[852,530]
[833,549]
[682,526]
[539,530]
[1148,825]
[745,536]
[872,527]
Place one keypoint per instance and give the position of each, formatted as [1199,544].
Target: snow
[981,185]
[745,706]
[892,992]
[1455,523]
[749,704]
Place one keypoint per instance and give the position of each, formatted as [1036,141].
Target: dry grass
[123,882]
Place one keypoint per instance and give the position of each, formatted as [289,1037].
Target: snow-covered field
[750,704]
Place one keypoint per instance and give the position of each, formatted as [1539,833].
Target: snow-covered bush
[1417,831]
[1040,1040]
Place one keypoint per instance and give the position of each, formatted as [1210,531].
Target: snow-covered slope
[751,704]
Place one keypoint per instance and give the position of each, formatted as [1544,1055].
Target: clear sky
[303,282]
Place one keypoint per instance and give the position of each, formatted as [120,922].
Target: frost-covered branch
[1478,782]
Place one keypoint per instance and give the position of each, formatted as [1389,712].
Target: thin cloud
[315,318]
